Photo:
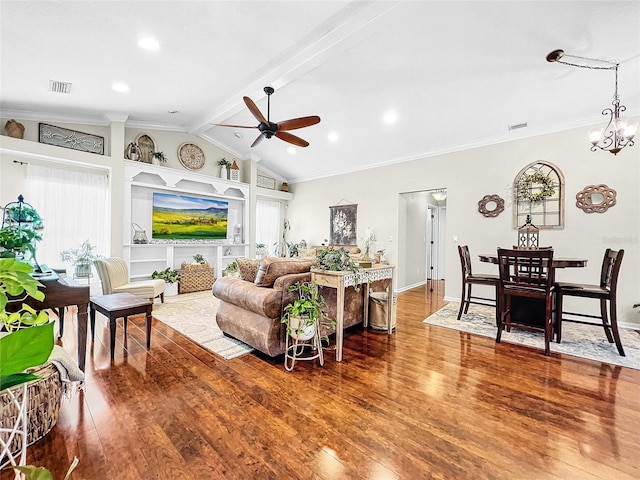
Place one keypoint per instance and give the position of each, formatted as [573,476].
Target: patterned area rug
[578,340]
[194,315]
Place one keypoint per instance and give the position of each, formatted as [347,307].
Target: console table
[342,280]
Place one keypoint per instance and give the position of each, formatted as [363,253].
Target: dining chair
[604,292]
[528,274]
[469,279]
[114,276]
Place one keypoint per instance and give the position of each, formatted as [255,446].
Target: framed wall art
[63,137]
[343,223]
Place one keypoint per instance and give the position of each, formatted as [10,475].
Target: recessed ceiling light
[237,135]
[333,136]
[390,117]
[148,43]
[291,150]
[120,87]
[172,111]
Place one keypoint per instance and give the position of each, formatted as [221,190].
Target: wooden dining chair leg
[558,315]
[614,326]
[463,300]
[548,328]
[605,319]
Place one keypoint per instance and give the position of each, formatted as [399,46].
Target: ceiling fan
[269,129]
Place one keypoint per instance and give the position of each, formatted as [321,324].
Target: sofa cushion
[248,268]
[272,267]
[248,296]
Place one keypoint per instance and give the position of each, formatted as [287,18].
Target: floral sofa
[251,307]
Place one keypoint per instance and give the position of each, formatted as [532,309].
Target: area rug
[194,315]
[578,340]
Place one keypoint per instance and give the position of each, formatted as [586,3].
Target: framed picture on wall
[343,222]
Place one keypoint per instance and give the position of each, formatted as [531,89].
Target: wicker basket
[195,277]
[14,129]
[44,405]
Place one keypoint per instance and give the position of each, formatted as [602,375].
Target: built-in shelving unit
[142,180]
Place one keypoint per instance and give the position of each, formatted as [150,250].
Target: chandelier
[618,133]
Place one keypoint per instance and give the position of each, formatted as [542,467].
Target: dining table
[531,311]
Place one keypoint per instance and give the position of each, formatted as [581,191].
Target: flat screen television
[181,217]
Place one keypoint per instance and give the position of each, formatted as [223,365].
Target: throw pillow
[271,268]
[248,268]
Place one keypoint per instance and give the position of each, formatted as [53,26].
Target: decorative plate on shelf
[191,156]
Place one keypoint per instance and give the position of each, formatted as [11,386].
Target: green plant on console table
[168,275]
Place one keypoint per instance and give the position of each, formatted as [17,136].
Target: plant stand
[13,438]
[295,349]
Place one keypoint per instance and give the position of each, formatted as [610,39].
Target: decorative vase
[171,289]
[223,172]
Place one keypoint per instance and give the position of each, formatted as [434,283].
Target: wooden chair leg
[548,328]
[614,326]
[466,306]
[605,319]
[462,301]
[162,297]
[558,309]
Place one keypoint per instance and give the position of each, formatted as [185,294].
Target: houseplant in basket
[170,277]
[27,341]
[304,314]
[82,258]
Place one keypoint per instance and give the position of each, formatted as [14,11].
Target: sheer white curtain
[74,206]
[268,223]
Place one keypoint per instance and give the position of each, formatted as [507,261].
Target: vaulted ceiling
[391,80]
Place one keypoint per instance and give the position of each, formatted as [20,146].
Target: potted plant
[304,314]
[231,270]
[29,340]
[224,164]
[158,157]
[16,241]
[82,258]
[171,277]
[199,259]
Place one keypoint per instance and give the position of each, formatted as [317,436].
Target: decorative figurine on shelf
[132,152]
[237,234]
[234,171]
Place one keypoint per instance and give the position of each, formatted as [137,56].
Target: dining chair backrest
[465,260]
[610,269]
[528,271]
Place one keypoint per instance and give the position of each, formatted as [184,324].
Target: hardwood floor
[426,402]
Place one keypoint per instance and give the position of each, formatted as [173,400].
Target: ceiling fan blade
[233,126]
[287,137]
[257,140]
[298,123]
[254,110]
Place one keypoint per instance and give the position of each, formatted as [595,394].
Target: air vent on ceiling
[517,126]
[59,87]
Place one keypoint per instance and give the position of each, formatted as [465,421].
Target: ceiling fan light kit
[270,129]
[618,133]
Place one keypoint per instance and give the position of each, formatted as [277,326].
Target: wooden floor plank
[426,402]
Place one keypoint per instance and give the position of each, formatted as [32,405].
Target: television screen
[182,217]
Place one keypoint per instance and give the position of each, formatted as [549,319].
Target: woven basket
[44,405]
[195,277]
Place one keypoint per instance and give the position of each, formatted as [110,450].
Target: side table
[118,305]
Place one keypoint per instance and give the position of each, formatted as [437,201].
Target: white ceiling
[457,74]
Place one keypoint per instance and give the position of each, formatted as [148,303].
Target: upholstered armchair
[114,276]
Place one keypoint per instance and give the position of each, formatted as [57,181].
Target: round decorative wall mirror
[596,198]
[491,205]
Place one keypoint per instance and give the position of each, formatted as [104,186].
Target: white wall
[468,176]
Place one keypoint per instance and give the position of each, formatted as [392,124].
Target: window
[547,211]
[74,206]
[268,224]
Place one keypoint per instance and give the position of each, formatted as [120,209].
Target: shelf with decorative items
[217,223]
